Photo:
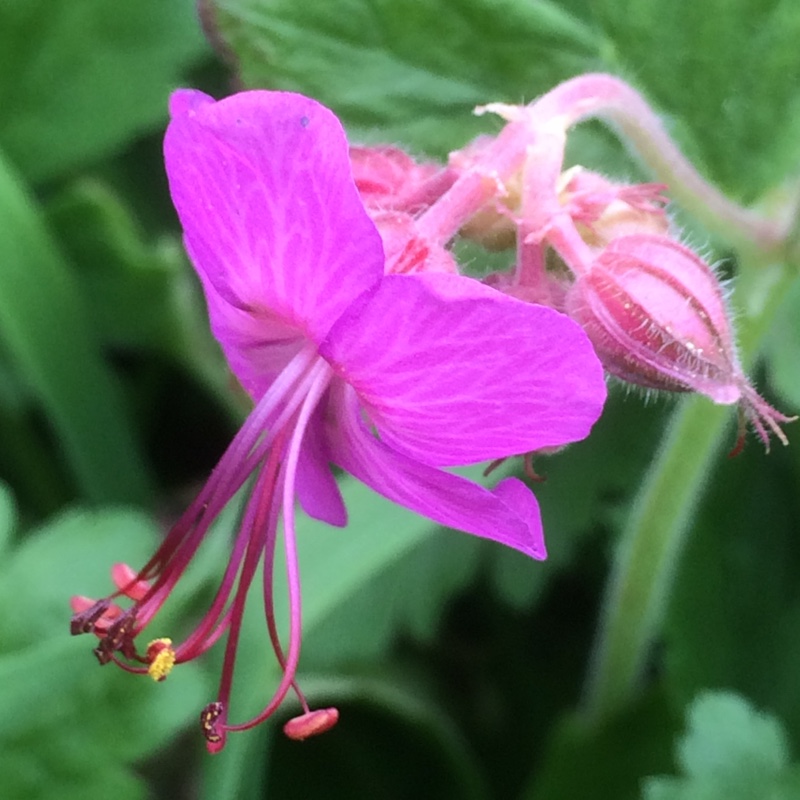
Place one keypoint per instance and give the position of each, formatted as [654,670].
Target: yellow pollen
[162,658]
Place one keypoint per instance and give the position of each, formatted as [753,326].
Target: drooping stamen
[118,637]
[175,553]
[319,378]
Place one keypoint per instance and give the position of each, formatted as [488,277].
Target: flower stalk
[647,554]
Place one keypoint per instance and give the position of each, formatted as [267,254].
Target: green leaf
[401,735]
[144,294]
[8,517]
[782,347]
[608,762]
[69,727]
[730,752]
[406,596]
[386,68]
[80,79]
[734,614]
[45,329]
[741,118]
[578,499]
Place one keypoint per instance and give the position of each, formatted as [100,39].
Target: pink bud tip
[311,723]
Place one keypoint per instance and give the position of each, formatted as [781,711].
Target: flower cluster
[334,294]
[361,347]
[603,253]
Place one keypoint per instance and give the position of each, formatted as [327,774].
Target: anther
[211,727]
[84,621]
[160,658]
[312,723]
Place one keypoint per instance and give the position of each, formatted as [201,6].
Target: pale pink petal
[451,372]
[509,514]
[271,216]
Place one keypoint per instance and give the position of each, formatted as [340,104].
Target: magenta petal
[452,372]
[272,219]
[509,514]
[317,489]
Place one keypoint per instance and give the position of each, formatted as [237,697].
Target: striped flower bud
[656,315]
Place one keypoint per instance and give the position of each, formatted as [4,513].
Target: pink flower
[390,377]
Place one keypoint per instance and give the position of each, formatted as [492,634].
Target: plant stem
[647,555]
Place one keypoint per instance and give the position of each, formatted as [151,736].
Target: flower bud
[604,211]
[656,316]
[405,250]
[389,178]
[494,227]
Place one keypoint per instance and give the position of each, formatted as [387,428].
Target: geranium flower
[390,377]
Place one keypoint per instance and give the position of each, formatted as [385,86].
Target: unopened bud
[656,316]
[405,250]
[388,178]
[604,211]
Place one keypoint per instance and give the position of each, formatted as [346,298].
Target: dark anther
[208,722]
[103,654]
[85,620]
[118,637]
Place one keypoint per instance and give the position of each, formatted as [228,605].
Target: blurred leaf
[70,728]
[8,517]
[742,63]
[405,597]
[79,79]
[730,752]
[44,327]
[71,554]
[782,349]
[144,295]
[587,487]
[608,762]
[391,732]
[734,616]
[386,69]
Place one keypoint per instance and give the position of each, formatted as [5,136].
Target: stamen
[84,621]
[119,637]
[493,466]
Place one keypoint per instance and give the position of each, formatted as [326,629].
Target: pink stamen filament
[318,385]
[250,446]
